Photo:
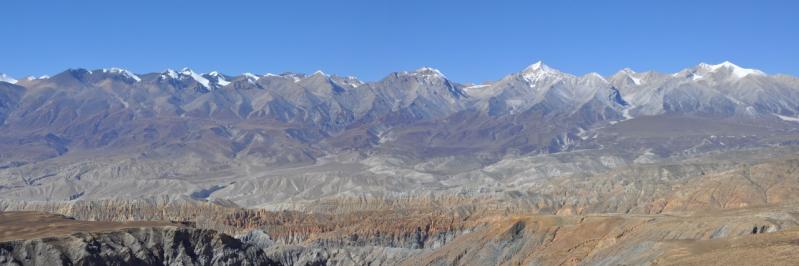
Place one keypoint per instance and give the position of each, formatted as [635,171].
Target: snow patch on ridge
[626,113]
[169,73]
[320,72]
[736,70]
[220,79]
[197,77]
[7,78]
[535,72]
[251,76]
[31,78]
[123,72]
[788,118]
[597,76]
[635,80]
[429,71]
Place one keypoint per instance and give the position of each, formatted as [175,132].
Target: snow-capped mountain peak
[123,72]
[352,81]
[321,73]
[594,75]
[537,71]
[218,78]
[735,70]
[629,74]
[197,77]
[537,66]
[725,71]
[251,76]
[169,73]
[296,77]
[7,78]
[429,71]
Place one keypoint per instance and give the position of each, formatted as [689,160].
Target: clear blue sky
[470,41]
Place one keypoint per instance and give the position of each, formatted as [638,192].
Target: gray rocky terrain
[102,243]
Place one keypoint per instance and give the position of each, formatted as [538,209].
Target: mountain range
[82,133]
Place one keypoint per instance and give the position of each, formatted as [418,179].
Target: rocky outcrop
[138,246]
[135,246]
[32,238]
[345,255]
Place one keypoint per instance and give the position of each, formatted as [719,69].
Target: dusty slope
[29,225]
[621,240]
